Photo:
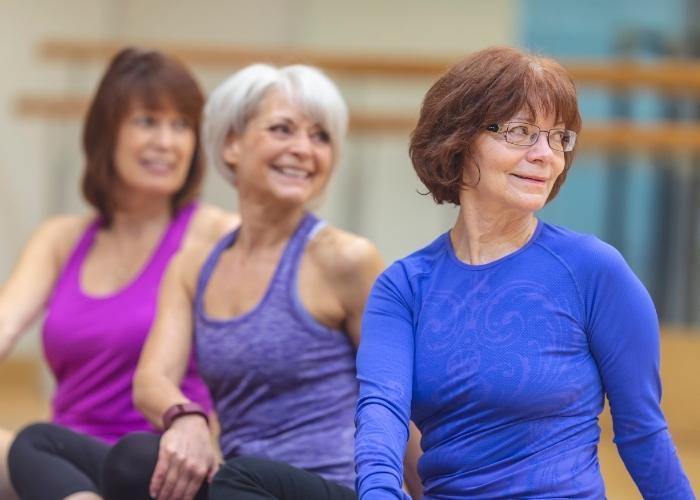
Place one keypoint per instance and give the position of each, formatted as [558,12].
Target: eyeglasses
[527,134]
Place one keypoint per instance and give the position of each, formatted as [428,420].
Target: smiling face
[512,178]
[154,151]
[282,153]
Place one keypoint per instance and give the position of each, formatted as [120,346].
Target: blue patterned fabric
[504,368]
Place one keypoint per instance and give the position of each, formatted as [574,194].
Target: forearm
[154,394]
[410,463]
[655,467]
[379,450]
[10,331]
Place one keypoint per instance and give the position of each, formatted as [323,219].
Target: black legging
[129,465]
[249,478]
[132,460]
[50,462]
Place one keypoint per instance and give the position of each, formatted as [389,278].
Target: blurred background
[635,183]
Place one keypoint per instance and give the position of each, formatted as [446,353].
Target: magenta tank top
[92,344]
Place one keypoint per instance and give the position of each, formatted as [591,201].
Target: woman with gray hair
[273,311]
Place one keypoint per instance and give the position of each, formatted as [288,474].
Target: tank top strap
[289,262]
[208,267]
[81,248]
[286,268]
[172,239]
[169,244]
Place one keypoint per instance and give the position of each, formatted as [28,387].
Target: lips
[530,178]
[292,172]
[158,166]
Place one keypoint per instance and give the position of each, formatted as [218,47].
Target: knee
[127,469]
[33,437]
[239,472]
[22,452]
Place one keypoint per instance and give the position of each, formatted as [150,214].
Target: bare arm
[166,353]
[31,282]
[357,266]
[210,224]
[186,456]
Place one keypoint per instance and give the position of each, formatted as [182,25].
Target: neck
[266,226]
[479,239]
[137,214]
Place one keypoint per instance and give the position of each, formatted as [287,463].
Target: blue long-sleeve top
[504,367]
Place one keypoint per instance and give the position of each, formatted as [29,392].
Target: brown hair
[150,79]
[489,86]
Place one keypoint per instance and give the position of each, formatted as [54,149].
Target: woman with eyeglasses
[502,338]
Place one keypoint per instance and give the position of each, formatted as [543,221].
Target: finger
[170,484]
[192,487]
[159,473]
[212,472]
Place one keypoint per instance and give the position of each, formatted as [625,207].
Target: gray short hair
[234,103]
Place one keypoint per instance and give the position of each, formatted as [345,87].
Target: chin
[295,196]
[161,190]
[531,205]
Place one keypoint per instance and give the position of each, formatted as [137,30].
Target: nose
[301,144]
[541,149]
[164,136]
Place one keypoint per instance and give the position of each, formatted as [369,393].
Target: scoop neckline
[500,260]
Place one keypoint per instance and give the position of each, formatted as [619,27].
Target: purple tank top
[283,384]
[92,344]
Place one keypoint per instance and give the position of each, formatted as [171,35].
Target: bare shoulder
[66,224]
[344,255]
[210,223]
[59,233]
[186,264]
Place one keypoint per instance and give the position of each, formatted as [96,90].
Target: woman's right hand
[186,459]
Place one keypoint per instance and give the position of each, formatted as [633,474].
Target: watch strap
[181,409]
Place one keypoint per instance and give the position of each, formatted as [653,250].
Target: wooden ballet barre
[666,75]
[607,136]
[647,137]
[232,57]
[74,107]
[51,107]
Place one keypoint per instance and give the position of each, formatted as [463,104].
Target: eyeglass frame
[504,128]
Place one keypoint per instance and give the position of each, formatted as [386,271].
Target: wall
[374,192]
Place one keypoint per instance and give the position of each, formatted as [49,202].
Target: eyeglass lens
[526,134]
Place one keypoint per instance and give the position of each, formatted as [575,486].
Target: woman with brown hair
[502,338]
[97,276]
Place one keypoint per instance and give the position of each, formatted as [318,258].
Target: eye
[563,137]
[143,119]
[181,123]
[280,129]
[520,130]
[321,136]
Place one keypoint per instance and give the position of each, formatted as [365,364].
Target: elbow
[8,337]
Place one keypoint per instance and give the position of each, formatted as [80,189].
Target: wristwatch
[180,409]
